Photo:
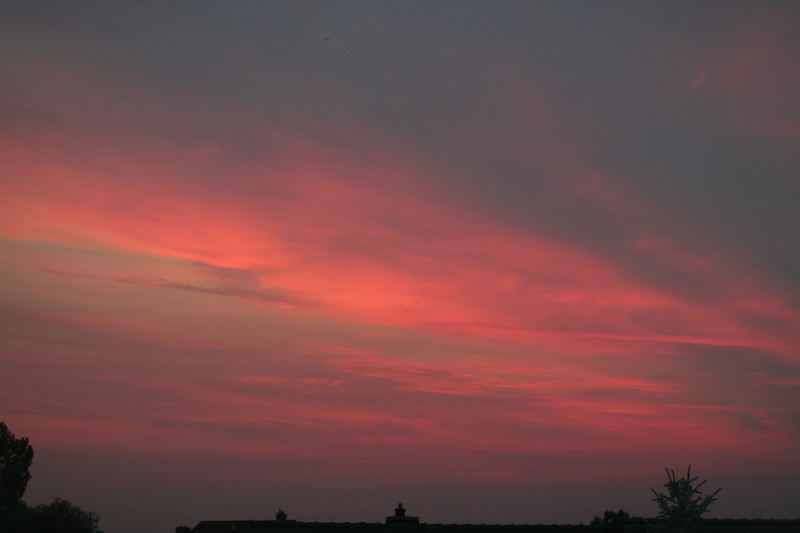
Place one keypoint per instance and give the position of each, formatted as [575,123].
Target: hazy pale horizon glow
[500,261]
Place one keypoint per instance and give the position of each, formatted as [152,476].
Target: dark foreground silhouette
[61,516]
[681,508]
[611,522]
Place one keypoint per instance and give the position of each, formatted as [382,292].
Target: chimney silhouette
[400,516]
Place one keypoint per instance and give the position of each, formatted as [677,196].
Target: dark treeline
[60,516]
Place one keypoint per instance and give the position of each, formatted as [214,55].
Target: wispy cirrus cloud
[255,294]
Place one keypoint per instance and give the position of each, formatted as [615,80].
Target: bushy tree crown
[684,504]
[16,456]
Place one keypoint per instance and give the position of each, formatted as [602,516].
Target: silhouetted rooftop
[400,523]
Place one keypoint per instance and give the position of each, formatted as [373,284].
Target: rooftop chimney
[400,516]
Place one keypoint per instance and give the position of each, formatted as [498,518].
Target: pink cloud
[320,300]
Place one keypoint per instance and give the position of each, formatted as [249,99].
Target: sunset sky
[500,261]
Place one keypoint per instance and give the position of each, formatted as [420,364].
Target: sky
[500,261]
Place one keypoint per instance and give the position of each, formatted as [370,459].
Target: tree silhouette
[609,520]
[16,456]
[684,504]
[60,516]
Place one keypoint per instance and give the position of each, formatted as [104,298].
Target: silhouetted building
[717,525]
[400,517]
[401,523]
